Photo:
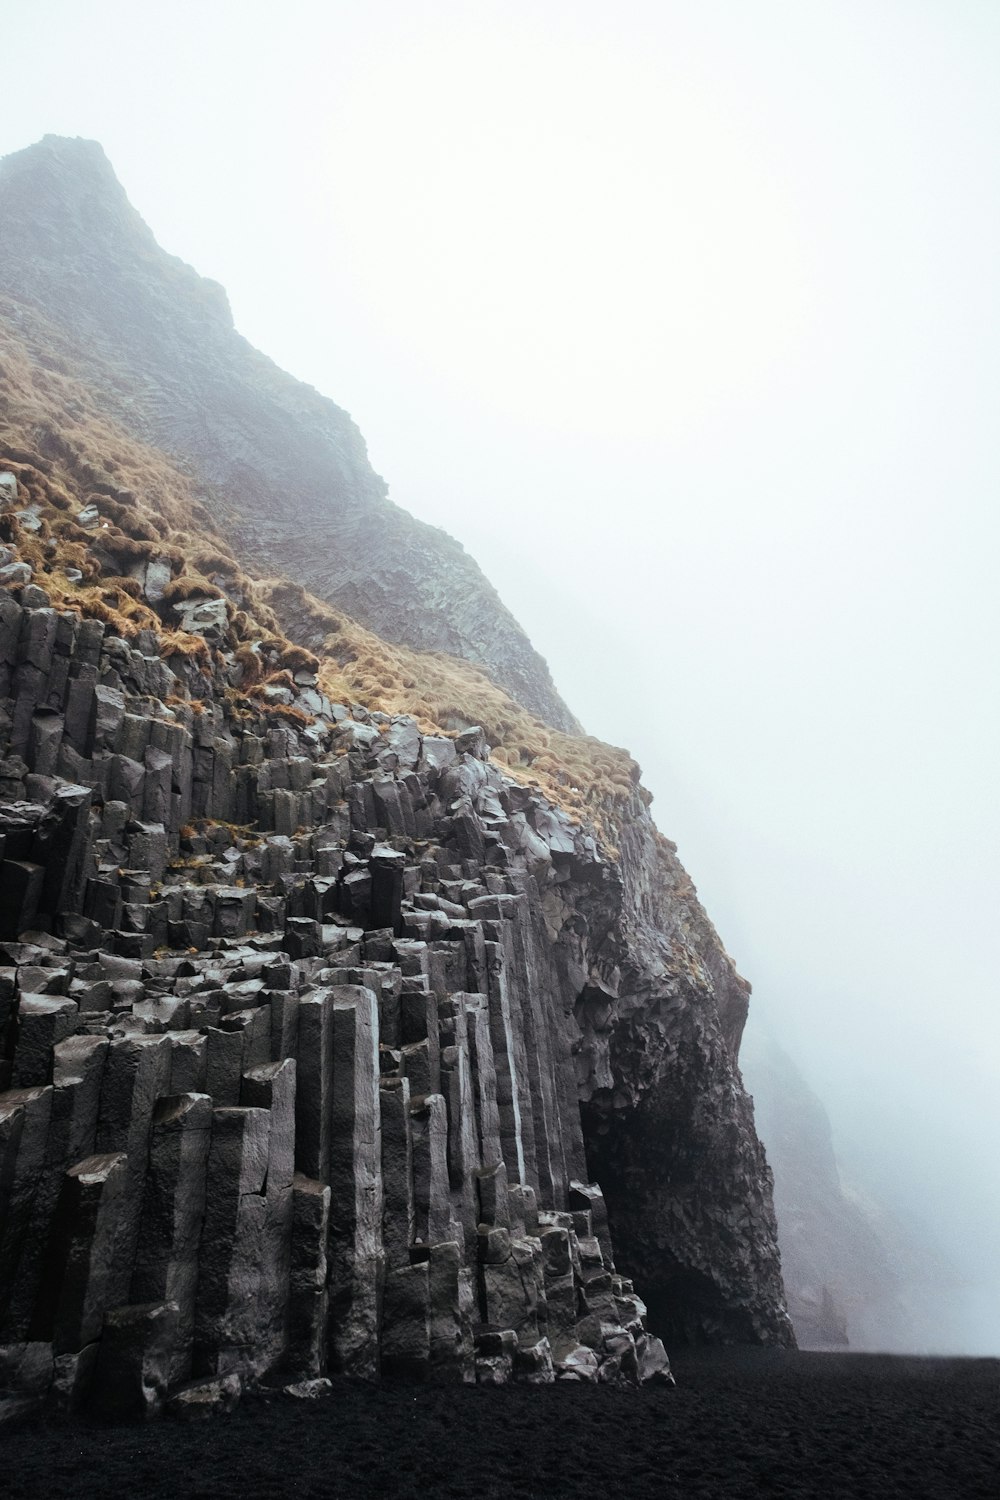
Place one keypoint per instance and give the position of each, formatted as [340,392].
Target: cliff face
[288,469]
[854,1271]
[659,1010]
[833,1262]
[327,1043]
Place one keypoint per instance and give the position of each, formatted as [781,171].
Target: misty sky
[683,318]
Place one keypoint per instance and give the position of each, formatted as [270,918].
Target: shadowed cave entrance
[641,1166]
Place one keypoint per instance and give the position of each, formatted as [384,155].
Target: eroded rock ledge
[298,1006]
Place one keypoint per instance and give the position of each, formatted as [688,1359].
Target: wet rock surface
[298,1012]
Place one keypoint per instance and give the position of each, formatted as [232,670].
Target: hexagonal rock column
[24,1124]
[78,1063]
[305,1354]
[77,1278]
[229,1258]
[136,1073]
[405,1348]
[272,1087]
[356,1253]
[397,1171]
[166,1263]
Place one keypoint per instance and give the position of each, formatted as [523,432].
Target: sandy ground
[744,1422]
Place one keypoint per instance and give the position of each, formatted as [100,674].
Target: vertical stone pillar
[508,1283]
[389,1007]
[284,1007]
[188,1062]
[78,1074]
[173,1207]
[397,1171]
[431,1194]
[314,1089]
[78,1064]
[477,1020]
[229,1257]
[306,1355]
[527,976]
[505,999]
[405,1347]
[463,1153]
[560,1282]
[356,1253]
[386,867]
[136,1073]
[450,1298]
[25,1115]
[77,1280]
[587,1197]
[224,1065]
[42,1022]
[505,1062]
[272,1087]
[418,1025]
[549,986]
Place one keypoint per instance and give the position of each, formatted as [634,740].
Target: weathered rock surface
[318,1032]
[157,341]
[302,1094]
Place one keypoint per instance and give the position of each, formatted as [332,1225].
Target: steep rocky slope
[320,1020]
[158,342]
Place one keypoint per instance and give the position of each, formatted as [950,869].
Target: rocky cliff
[856,1271]
[332,1036]
[835,1266]
[288,466]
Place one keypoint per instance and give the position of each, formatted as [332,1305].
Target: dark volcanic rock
[158,342]
[669,1129]
[327,1047]
[255,1134]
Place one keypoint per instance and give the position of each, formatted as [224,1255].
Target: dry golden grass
[187,586]
[184,643]
[583,775]
[67,452]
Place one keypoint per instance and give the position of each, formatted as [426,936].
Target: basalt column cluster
[286,1084]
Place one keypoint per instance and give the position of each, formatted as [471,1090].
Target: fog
[684,320]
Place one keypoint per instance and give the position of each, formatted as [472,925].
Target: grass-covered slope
[286,471]
[68,454]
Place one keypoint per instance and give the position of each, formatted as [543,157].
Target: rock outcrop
[833,1262]
[288,469]
[327,1044]
[297,1013]
[856,1271]
[288,1082]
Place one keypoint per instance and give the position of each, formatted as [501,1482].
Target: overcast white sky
[683,318]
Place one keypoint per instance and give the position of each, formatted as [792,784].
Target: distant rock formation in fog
[855,1273]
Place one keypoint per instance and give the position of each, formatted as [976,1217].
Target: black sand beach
[746,1422]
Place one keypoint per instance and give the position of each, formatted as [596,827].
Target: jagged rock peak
[69,174]
[70,217]
[288,469]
